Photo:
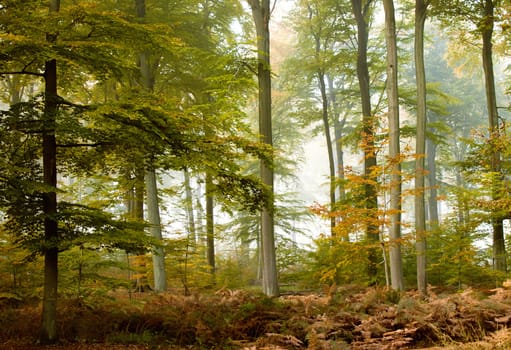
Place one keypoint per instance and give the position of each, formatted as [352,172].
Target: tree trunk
[153,208]
[396,267]
[210,227]
[137,207]
[189,208]
[339,152]
[153,217]
[261,15]
[338,134]
[499,248]
[329,144]
[361,11]
[420,147]
[48,331]
[432,185]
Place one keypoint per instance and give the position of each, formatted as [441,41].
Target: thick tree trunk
[499,248]
[137,207]
[420,147]
[48,331]
[361,11]
[153,208]
[396,267]
[261,15]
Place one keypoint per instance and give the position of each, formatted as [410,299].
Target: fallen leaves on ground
[344,318]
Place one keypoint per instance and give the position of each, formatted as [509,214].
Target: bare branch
[23,72]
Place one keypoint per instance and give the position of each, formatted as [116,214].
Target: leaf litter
[342,318]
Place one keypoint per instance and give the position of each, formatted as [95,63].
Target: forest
[255,174]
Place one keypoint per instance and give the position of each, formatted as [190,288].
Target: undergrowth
[342,318]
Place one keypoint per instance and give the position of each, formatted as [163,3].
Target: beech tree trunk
[339,151]
[499,247]
[261,15]
[338,134]
[210,227]
[432,184]
[329,144]
[48,331]
[420,147]
[153,208]
[396,265]
[153,217]
[361,12]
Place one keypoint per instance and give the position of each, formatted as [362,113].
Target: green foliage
[336,261]
[87,272]
[107,127]
[455,259]
[186,265]
[19,275]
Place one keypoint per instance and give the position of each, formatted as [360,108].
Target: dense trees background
[133,160]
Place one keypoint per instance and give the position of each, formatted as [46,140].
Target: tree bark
[261,16]
[396,267]
[329,144]
[420,147]
[499,247]
[339,151]
[153,208]
[361,11]
[153,217]
[432,185]
[210,227]
[48,331]
[192,230]
[338,135]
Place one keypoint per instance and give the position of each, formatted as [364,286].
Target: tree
[420,147]
[79,41]
[486,25]
[478,17]
[394,147]
[147,67]
[261,15]
[362,11]
[48,330]
[317,27]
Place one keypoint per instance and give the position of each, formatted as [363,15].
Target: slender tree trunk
[329,144]
[499,248]
[210,227]
[48,331]
[189,207]
[339,152]
[325,115]
[420,147]
[396,267]
[432,185]
[261,15]
[361,12]
[338,134]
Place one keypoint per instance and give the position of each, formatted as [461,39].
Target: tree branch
[97,144]
[23,72]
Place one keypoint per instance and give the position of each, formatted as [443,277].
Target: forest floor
[340,318]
